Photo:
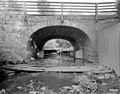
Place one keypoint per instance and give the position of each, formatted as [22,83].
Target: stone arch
[74,35]
[81,26]
[88,29]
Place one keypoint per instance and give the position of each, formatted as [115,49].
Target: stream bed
[59,83]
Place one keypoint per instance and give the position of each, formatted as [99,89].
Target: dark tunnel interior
[72,34]
[75,36]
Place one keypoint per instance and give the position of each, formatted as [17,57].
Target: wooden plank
[106,8]
[71,6]
[64,69]
[96,12]
[60,11]
[60,5]
[107,11]
[58,8]
[57,2]
[107,3]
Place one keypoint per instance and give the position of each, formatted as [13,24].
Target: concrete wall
[109,47]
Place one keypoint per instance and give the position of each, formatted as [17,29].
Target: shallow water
[53,81]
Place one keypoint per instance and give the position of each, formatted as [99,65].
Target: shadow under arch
[78,38]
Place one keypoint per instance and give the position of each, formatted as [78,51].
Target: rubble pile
[35,88]
[93,83]
[81,85]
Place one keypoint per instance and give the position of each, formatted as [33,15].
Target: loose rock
[19,88]
[34,92]
[3,91]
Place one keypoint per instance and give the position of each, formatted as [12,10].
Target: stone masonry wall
[15,32]
[12,37]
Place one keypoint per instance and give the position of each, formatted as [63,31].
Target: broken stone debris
[104,84]
[34,92]
[3,91]
[101,77]
[113,90]
[43,88]
[19,88]
[83,85]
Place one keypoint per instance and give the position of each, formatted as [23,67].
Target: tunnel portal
[75,36]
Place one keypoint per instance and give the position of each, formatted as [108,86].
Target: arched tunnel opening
[58,49]
[78,38]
